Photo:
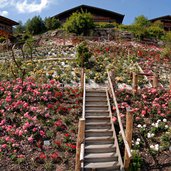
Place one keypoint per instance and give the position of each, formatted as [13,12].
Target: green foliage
[124,27]
[158,24]
[2,39]
[167,50]
[106,25]
[35,25]
[139,27]
[141,21]
[52,23]
[83,55]
[166,140]
[142,28]
[167,39]
[19,28]
[79,23]
[156,30]
[136,161]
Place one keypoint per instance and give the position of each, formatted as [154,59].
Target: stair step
[96,90]
[97,114]
[102,166]
[98,130]
[95,94]
[99,140]
[95,111]
[98,133]
[95,125]
[97,108]
[102,148]
[98,120]
[98,117]
[100,157]
[96,103]
[90,99]
[96,98]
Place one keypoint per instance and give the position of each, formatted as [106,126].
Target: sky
[22,10]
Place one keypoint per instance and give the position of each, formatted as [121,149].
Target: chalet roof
[7,21]
[166,17]
[93,10]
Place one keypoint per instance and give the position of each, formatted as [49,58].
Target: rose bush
[38,122]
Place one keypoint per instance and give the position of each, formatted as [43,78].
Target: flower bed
[38,125]
[151,145]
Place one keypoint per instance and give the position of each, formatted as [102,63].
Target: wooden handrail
[84,93]
[114,135]
[140,69]
[81,131]
[119,118]
[155,80]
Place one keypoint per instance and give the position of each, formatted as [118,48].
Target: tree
[35,25]
[80,23]
[141,21]
[156,30]
[139,26]
[19,28]
[83,55]
[52,23]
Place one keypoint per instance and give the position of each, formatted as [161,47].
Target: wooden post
[80,139]
[134,83]
[170,83]
[155,81]
[112,76]
[82,79]
[129,129]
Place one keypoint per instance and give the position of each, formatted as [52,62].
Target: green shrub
[124,27]
[2,39]
[139,27]
[79,23]
[167,39]
[19,28]
[35,25]
[83,55]
[156,30]
[52,23]
[106,25]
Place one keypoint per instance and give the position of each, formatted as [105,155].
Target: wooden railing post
[170,83]
[112,76]
[134,83]
[155,81]
[82,79]
[129,130]
[80,139]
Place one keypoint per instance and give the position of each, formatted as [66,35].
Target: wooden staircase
[101,151]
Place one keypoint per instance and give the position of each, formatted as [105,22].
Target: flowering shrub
[33,121]
[152,121]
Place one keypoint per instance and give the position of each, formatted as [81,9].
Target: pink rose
[20,133]
[30,139]
[42,133]
[114,119]
[3,145]
[143,112]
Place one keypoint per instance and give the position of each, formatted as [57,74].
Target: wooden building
[99,15]
[6,27]
[166,20]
